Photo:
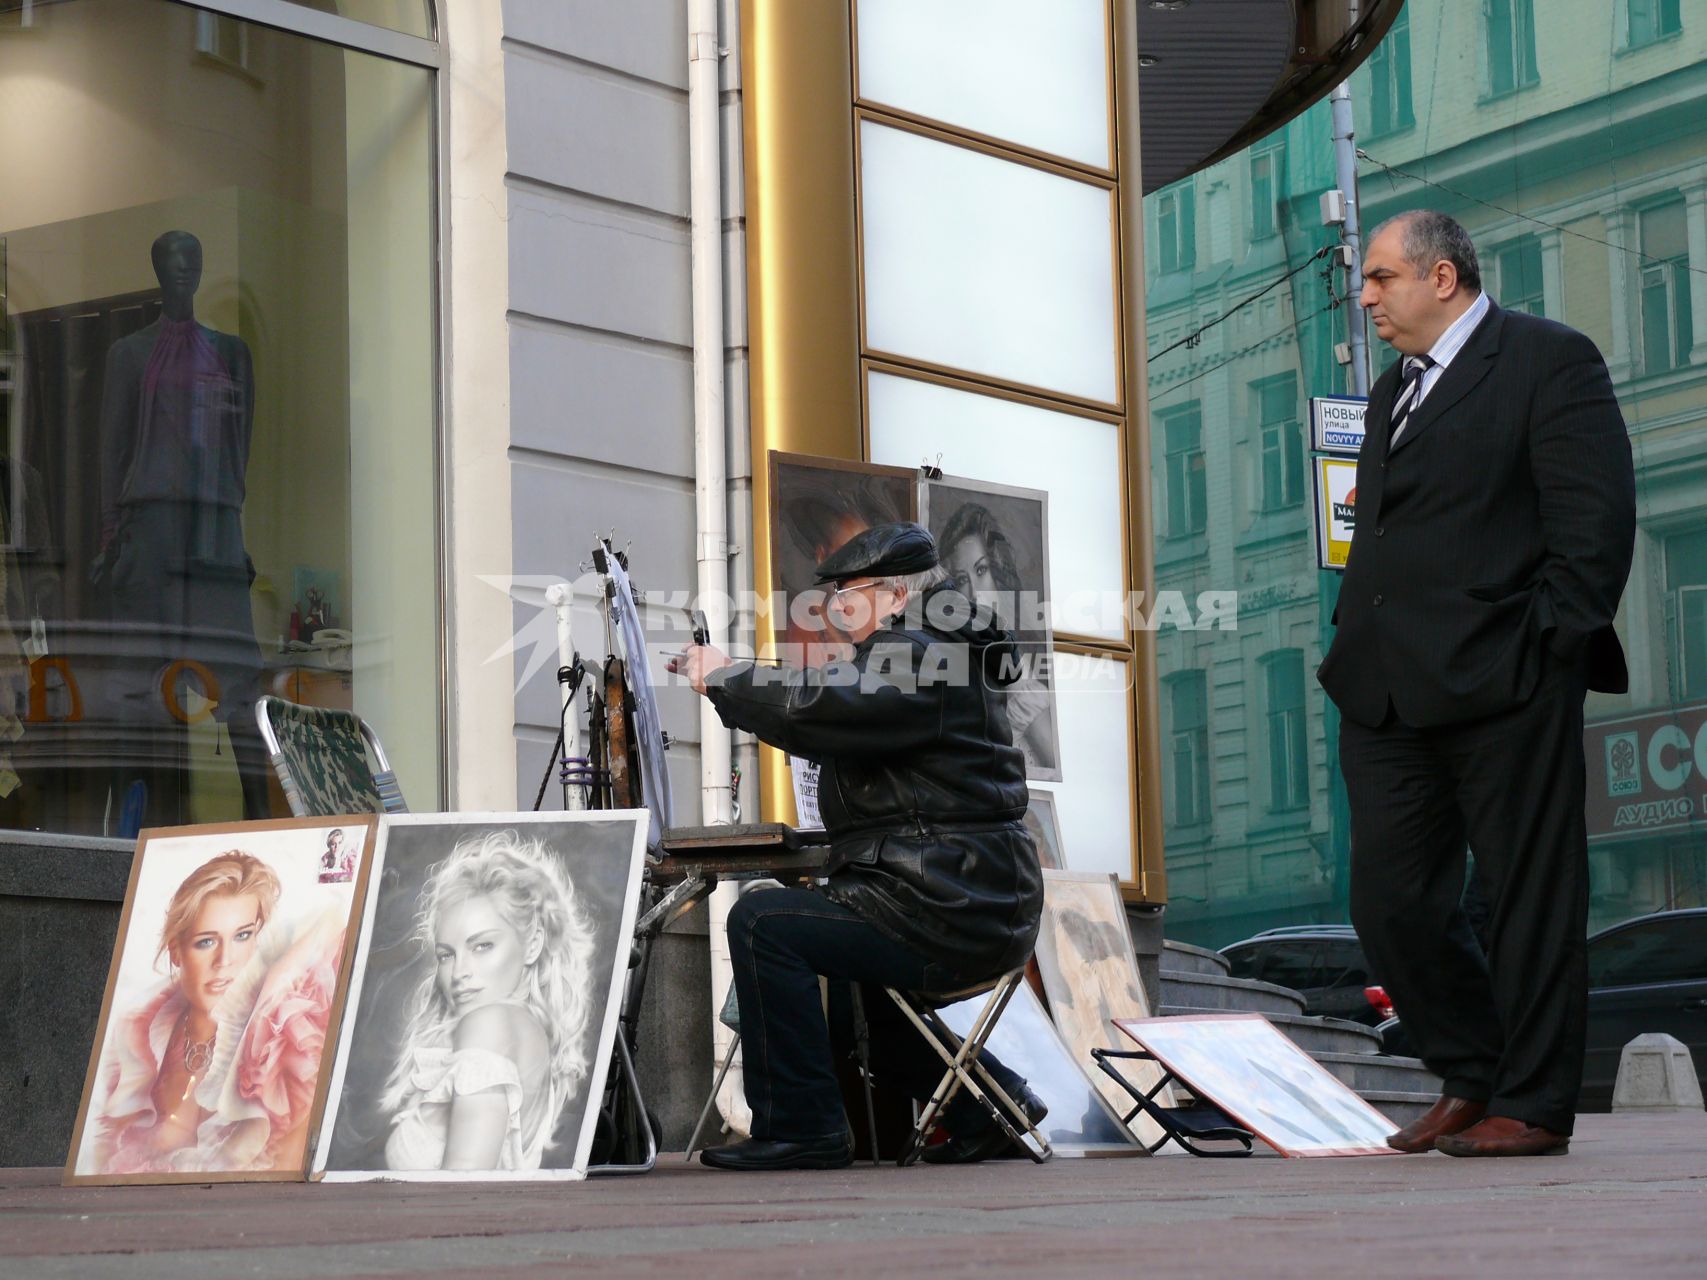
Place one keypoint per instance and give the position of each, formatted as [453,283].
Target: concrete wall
[601,395]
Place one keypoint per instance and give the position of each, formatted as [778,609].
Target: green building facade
[1570,137]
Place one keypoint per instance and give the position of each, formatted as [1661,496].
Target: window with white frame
[1176,228]
[1686,612]
[1288,748]
[1511,45]
[1188,749]
[1664,312]
[1646,21]
[1281,440]
[1390,107]
[1268,182]
[1187,472]
[1517,276]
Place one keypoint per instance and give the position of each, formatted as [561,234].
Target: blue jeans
[780,941]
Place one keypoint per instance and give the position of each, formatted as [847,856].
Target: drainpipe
[711,488]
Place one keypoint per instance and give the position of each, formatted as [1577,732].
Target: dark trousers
[1506,1027]
[780,941]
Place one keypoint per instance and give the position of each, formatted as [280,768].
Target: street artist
[935,884]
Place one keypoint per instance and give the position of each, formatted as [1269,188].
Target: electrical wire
[1191,338]
[1540,222]
[1239,355]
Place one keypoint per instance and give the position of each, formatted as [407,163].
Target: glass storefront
[1569,138]
[218,375]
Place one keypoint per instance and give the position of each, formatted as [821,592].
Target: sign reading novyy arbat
[1647,773]
[1336,423]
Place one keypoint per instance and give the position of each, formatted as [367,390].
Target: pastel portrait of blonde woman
[494,1042]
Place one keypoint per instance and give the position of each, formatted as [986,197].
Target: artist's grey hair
[1429,237]
[916,584]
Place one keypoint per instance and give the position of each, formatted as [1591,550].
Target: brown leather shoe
[1449,1115]
[1503,1136]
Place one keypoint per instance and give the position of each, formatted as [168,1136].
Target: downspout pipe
[711,488]
[711,478]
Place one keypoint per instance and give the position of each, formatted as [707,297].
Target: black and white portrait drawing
[993,540]
[484,996]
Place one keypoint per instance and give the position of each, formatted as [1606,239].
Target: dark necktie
[1410,391]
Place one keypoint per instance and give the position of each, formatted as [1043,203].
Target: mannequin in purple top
[177,412]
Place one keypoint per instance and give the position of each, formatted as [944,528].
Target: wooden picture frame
[278,971]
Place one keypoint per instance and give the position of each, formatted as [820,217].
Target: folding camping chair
[321,759]
[964,1069]
[1186,1126]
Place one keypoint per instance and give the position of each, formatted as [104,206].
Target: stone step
[1313,1035]
[1182,957]
[1400,1106]
[1234,995]
[1364,1073]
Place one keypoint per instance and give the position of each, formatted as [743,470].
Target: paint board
[1244,1065]
[1090,974]
[272,985]
[428,1025]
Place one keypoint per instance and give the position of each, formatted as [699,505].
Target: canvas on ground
[1244,1065]
[484,996]
[1090,974]
[223,992]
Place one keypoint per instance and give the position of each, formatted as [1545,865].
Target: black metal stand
[1186,1126]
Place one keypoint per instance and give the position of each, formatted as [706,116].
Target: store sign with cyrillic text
[1646,773]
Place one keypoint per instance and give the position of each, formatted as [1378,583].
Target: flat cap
[882,551]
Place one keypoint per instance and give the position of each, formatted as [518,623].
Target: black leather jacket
[922,791]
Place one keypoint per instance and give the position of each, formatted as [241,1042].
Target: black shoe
[758,1154]
[989,1143]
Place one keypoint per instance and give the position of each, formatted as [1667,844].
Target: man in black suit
[1496,516]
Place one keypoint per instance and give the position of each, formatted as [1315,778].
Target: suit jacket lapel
[1468,367]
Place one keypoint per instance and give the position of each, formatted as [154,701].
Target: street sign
[1336,510]
[1336,423]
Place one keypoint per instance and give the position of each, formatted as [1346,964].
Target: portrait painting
[212,1054]
[1244,1065]
[1080,1122]
[1090,976]
[817,505]
[484,996]
[993,540]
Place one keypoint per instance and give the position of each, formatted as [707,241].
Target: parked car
[1646,974]
[1324,963]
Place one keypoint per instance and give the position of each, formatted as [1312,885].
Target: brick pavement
[1631,1200]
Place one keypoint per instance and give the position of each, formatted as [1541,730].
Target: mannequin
[178,407]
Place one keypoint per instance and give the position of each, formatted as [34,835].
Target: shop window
[1390,108]
[1187,472]
[1188,749]
[1176,229]
[1288,748]
[219,403]
[1268,181]
[1282,442]
[1511,45]
[1668,327]
[1651,20]
[1517,269]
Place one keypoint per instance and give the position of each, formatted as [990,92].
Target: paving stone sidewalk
[1630,1200]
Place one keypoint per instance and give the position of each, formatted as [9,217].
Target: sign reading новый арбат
[1336,423]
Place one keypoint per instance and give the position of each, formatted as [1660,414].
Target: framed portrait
[1080,1122]
[484,996]
[1090,975]
[817,505]
[1244,1065]
[994,542]
[210,1062]
[1045,828]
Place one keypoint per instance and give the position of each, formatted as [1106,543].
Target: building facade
[1568,138]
